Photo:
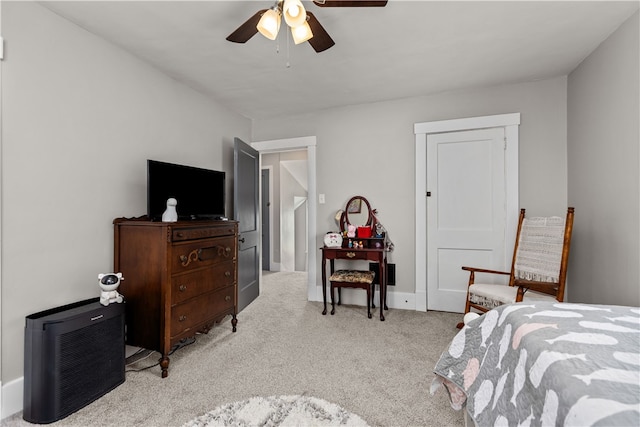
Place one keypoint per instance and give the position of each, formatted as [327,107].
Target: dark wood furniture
[371,246]
[179,278]
[352,279]
[378,255]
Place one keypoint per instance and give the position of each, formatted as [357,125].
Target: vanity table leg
[385,283]
[333,270]
[383,291]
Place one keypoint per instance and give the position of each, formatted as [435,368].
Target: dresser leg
[234,322]
[164,364]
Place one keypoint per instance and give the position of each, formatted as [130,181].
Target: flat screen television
[200,193]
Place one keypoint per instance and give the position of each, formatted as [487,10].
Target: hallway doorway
[308,144]
[284,210]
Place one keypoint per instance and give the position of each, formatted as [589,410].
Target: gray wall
[273,160]
[80,118]
[301,233]
[369,150]
[604,182]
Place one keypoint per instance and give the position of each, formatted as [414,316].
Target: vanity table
[371,248]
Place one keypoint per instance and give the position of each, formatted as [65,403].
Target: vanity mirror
[358,213]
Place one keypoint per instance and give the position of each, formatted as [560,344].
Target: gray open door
[246,162]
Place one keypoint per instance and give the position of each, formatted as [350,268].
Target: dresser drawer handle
[193,256]
[183,288]
[227,274]
[351,254]
[204,254]
[227,298]
[182,318]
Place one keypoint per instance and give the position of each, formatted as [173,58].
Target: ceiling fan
[304,25]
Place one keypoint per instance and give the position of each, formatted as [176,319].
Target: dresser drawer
[357,254]
[189,285]
[193,313]
[202,253]
[204,232]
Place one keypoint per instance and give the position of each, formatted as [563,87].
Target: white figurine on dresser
[170,214]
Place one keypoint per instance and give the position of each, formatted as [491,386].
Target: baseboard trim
[396,300]
[12,398]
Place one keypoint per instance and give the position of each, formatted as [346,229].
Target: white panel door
[466,211]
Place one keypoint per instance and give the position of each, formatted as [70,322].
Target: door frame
[302,143]
[510,122]
[268,168]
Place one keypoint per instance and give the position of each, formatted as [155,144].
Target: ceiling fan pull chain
[288,50]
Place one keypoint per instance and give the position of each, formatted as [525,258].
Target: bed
[546,364]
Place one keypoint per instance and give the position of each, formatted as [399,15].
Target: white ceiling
[405,49]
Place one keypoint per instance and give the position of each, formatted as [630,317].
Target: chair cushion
[492,296]
[353,276]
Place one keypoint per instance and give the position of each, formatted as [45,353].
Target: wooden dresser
[179,278]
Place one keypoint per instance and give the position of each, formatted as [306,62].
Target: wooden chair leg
[467,306]
[373,295]
[369,301]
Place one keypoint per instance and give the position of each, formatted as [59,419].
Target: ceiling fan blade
[351,3]
[246,30]
[321,40]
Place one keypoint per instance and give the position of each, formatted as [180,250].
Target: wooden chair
[538,268]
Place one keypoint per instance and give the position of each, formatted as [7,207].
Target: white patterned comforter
[546,364]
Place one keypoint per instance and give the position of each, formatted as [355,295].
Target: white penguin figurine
[170,214]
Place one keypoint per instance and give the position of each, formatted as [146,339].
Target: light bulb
[301,33]
[294,13]
[269,24]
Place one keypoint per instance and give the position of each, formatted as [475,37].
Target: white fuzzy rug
[278,411]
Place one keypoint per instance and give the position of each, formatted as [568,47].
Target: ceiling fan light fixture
[269,24]
[294,13]
[301,33]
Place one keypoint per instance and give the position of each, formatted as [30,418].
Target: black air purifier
[73,355]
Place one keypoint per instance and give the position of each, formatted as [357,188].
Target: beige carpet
[380,371]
